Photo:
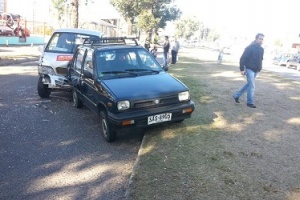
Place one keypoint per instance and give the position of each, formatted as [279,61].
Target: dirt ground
[226,151]
[263,142]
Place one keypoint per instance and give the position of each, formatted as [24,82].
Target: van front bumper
[56,81]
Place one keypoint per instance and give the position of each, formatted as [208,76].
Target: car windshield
[65,42]
[126,62]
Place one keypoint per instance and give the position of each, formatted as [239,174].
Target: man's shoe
[251,105]
[236,99]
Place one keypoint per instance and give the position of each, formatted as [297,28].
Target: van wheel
[77,103]
[108,134]
[43,90]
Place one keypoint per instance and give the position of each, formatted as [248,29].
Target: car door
[88,88]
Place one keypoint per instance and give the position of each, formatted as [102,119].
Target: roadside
[226,150]
[15,55]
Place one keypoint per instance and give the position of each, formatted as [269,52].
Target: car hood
[143,87]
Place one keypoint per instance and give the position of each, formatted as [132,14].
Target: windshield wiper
[118,72]
[142,70]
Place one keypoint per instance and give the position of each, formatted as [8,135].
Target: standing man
[166,47]
[250,65]
[147,44]
[174,50]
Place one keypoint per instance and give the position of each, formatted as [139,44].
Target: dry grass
[226,150]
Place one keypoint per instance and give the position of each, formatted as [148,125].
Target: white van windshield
[66,42]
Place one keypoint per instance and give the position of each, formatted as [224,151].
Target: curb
[134,169]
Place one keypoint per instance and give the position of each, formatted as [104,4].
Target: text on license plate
[159,118]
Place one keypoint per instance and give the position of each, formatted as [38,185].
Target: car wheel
[108,134]
[77,103]
[43,90]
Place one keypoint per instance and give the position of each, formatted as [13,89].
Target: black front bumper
[140,117]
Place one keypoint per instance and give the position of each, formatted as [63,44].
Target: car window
[78,59]
[88,63]
[65,42]
[125,60]
[148,60]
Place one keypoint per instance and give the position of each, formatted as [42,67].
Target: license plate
[159,118]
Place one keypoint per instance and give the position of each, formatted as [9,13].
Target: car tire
[43,90]
[77,103]
[105,130]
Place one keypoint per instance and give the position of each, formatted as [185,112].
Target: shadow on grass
[226,150]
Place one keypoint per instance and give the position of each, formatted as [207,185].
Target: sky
[274,18]
[100,8]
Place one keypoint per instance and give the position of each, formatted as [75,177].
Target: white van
[56,55]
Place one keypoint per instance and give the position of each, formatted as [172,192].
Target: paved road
[50,150]
[291,72]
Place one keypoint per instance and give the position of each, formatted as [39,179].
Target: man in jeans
[250,65]
[166,47]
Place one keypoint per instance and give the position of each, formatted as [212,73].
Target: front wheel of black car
[77,103]
[108,134]
[43,90]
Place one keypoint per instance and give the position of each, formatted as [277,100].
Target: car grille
[155,102]
[61,70]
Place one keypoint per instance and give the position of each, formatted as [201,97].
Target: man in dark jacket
[250,65]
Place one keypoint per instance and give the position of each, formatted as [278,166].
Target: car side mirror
[87,74]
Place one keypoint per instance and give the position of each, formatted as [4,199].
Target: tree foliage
[58,6]
[147,14]
[70,7]
[187,27]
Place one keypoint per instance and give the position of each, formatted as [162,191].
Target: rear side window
[65,42]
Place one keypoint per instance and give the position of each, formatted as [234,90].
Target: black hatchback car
[125,85]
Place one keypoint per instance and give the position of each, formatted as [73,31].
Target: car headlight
[46,70]
[184,96]
[123,105]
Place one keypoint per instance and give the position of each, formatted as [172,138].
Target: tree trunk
[75,13]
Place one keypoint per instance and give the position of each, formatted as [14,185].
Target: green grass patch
[196,159]
[176,159]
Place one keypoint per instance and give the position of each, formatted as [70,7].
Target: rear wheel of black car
[108,134]
[77,103]
[43,90]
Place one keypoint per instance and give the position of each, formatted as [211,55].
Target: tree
[187,27]
[148,14]
[71,7]
[58,5]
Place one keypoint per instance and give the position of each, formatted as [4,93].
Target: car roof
[79,31]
